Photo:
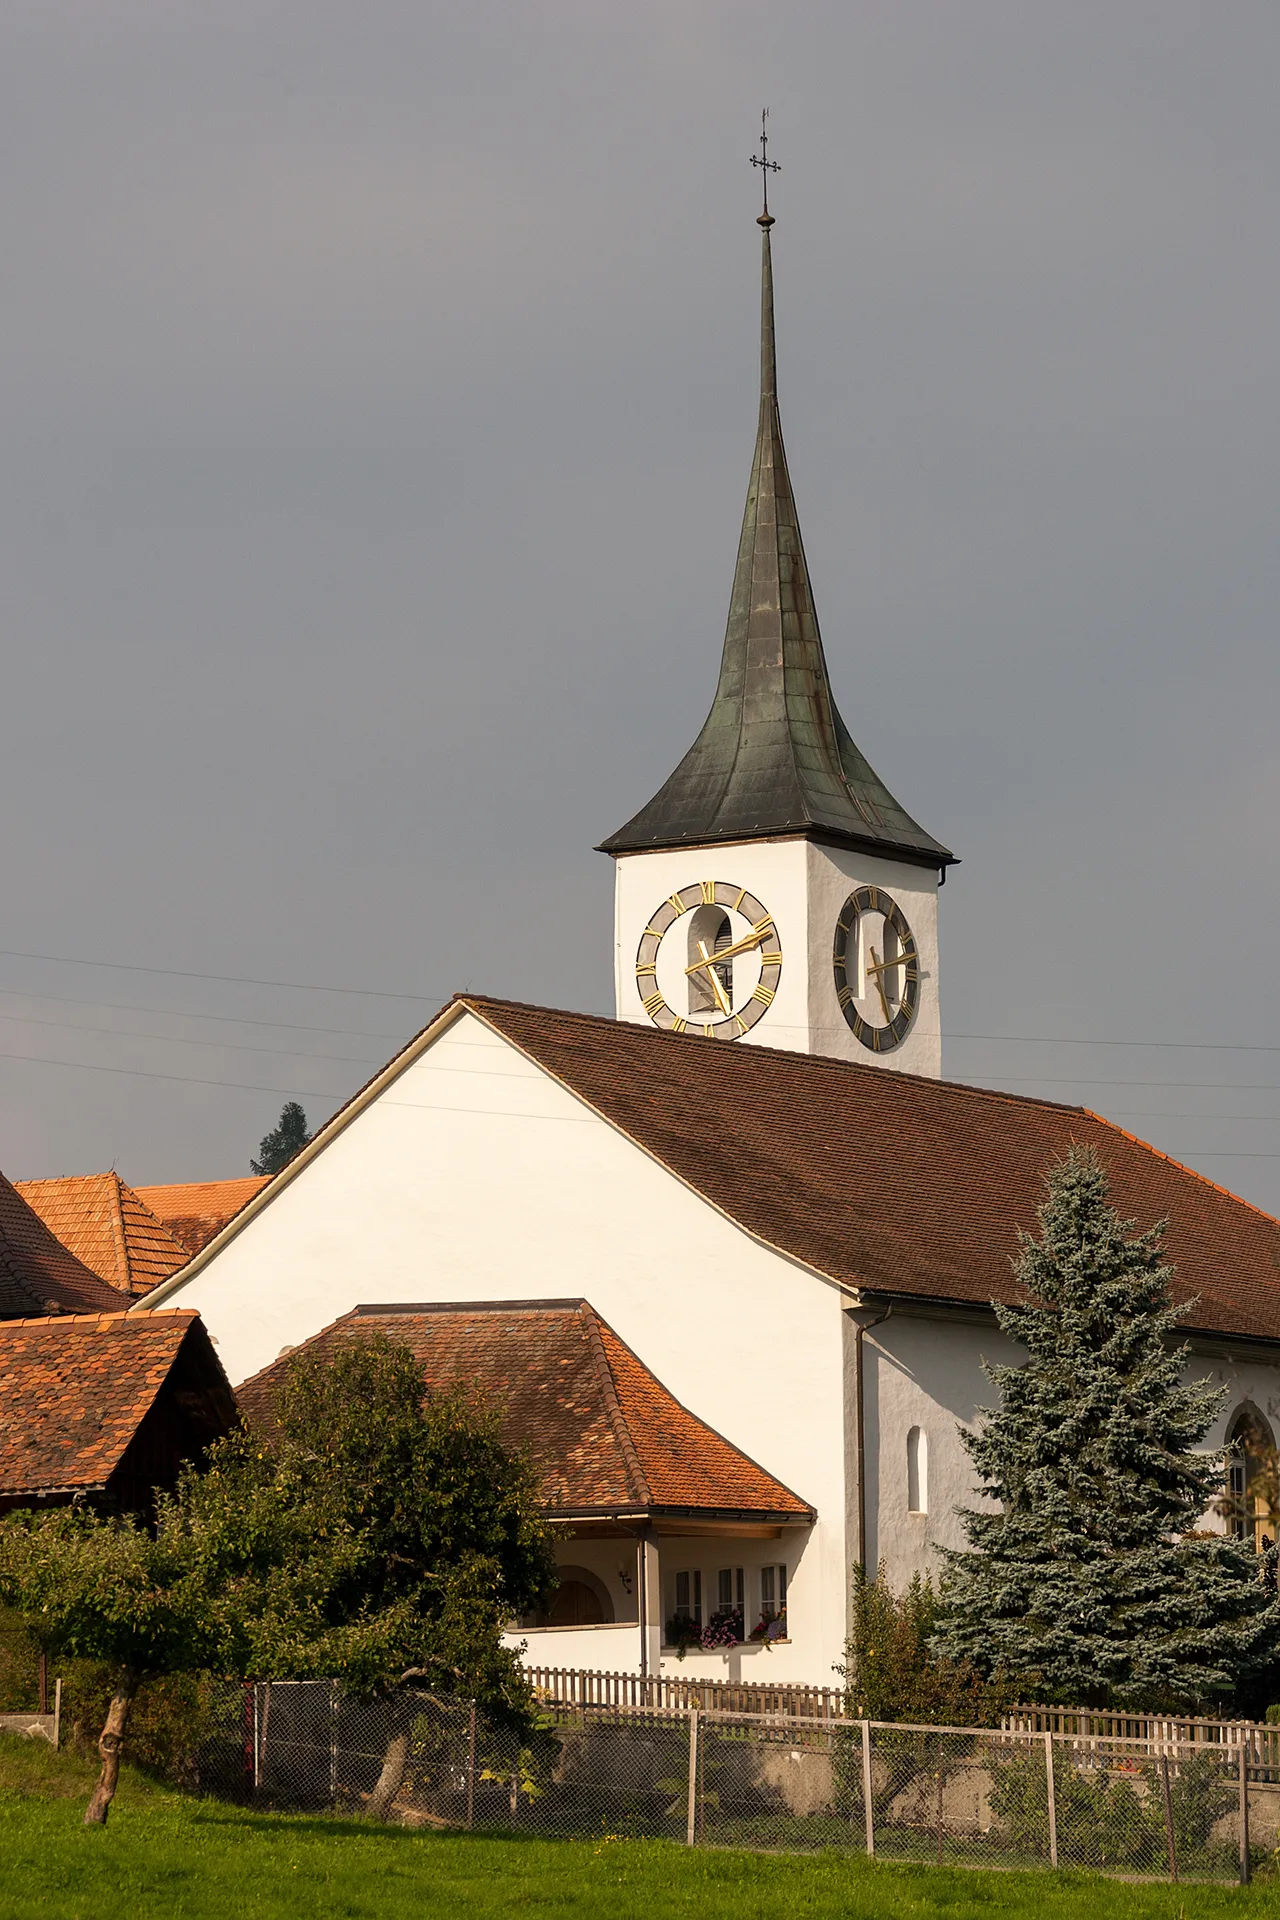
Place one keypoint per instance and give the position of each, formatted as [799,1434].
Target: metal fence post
[333,1740]
[868,1810]
[1168,1816]
[1052,1800]
[471,1768]
[1244,1811]
[692,1834]
[57,1714]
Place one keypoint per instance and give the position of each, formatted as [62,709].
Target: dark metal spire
[774,755]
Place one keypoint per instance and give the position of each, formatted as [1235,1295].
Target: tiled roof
[37,1273]
[75,1391]
[106,1225]
[605,1434]
[195,1210]
[885,1181]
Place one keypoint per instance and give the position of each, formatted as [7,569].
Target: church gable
[470,1169]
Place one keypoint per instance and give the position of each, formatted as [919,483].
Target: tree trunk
[110,1743]
[391,1777]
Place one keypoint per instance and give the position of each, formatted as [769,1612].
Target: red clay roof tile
[37,1273]
[195,1210]
[108,1227]
[606,1435]
[75,1390]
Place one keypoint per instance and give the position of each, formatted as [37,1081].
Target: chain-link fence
[946,1795]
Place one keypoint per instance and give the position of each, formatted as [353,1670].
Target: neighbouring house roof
[774,755]
[607,1437]
[106,1403]
[195,1210]
[107,1226]
[38,1274]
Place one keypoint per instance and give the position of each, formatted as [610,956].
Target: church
[726,1261]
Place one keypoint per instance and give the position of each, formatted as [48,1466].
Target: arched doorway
[580,1600]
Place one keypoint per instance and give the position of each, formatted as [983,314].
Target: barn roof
[75,1390]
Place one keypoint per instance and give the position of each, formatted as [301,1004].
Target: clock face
[877,968]
[709,961]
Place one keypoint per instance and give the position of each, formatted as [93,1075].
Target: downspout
[863,1318]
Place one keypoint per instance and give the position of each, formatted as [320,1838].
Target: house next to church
[727,1259]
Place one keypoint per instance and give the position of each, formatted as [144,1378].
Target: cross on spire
[766,166]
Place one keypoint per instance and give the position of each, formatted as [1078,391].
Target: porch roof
[609,1440]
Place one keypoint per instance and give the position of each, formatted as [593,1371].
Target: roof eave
[935,857]
[746,1516]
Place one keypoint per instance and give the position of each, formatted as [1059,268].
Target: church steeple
[774,756]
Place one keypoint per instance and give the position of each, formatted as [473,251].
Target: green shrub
[889,1670]
[1108,1819]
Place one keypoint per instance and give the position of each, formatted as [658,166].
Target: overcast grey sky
[376,408]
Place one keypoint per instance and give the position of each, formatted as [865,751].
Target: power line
[179,1013]
[177,1040]
[1065,1040]
[227,979]
[1060,1080]
[184,1079]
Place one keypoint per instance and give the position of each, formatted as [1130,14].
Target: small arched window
[709,932]
[1250,1450]
[917,1471]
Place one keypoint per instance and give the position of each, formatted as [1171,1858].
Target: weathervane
[766,166]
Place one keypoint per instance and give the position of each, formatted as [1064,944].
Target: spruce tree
[1092,1584]
[278,1147]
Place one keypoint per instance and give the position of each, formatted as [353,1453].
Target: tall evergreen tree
[288,1138]
[1091,1584]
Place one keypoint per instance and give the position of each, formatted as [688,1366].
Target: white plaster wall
[833,873]
[925,1373]
[804,886]
[476,1176]
[605,1649]
[928,1373]
[776,871]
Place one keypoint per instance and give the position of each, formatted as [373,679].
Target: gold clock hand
[756,937]
[883,966]
[708,962]
[878,970]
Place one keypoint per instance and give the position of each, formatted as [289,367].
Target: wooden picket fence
[577,1687]
[580,1687]
[1158,1732]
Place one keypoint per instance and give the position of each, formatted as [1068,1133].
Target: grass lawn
[165,1856]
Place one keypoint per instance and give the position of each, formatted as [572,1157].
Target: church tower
[773,890]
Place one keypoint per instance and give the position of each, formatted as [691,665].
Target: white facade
[923,1374]
[474,1175]
[804,886]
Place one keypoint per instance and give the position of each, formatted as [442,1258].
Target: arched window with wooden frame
[1250,1459]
